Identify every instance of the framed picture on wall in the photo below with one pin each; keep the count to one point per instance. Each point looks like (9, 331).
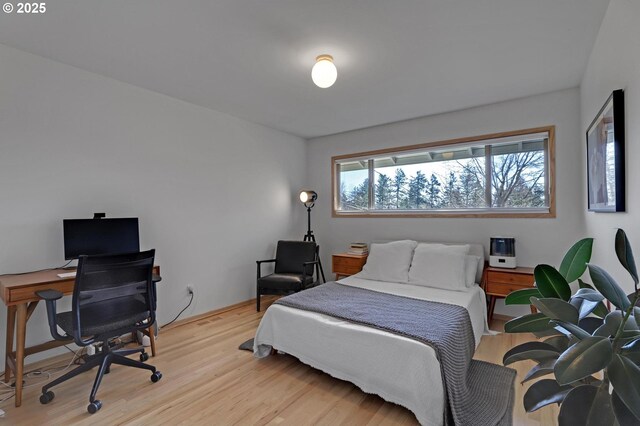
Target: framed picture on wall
(605, 157)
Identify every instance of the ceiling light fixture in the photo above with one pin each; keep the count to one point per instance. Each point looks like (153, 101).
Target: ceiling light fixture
(324, 72)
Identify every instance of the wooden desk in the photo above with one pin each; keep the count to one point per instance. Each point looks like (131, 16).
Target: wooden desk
(499, 282)
(18, 292)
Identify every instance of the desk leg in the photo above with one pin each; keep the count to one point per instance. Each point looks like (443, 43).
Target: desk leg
(20, 342)
(11, 329)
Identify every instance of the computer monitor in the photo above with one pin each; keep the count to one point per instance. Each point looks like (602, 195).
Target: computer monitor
(100, 236)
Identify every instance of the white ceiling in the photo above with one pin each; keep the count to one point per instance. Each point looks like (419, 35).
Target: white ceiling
(396, 59)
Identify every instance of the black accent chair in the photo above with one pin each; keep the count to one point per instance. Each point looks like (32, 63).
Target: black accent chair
(113, 295)
(293, 272)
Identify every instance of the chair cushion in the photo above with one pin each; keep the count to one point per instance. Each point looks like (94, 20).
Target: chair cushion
(285, 282)
(291, 255)
(96, 320)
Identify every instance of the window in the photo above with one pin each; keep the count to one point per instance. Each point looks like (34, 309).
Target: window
(501, 175)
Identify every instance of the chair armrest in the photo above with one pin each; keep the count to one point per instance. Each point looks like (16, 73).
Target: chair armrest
(259, 263)
(305, 265)
(50, 297)
(50, 294)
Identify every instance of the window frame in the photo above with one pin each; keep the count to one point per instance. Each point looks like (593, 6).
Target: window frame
(486, 212)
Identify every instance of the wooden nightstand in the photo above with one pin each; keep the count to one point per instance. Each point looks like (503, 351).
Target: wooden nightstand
(345, 264)
(499, 282)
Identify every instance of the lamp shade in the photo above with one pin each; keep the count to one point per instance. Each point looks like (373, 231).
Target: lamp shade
(324, 72)
(308, 197)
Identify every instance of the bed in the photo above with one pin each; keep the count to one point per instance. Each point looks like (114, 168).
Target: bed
(367, 356)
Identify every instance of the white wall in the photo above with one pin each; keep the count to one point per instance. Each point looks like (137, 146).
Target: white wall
(538, 240)
(213, 192)
(615, 64)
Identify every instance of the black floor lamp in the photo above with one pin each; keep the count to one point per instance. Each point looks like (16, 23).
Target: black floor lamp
(309, 198)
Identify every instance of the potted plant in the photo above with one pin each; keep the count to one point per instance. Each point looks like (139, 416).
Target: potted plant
(591, 354)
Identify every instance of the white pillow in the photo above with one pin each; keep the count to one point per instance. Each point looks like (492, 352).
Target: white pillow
(449, 248)
(471, 267)
(389, 261)
(439, 266)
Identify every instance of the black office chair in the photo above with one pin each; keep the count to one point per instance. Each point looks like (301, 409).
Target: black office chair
(293, 272)
(113, 295)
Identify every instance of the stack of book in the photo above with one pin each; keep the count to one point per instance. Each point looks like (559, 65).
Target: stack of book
(359, 248)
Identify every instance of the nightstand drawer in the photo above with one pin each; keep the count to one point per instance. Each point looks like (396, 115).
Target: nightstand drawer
(510, 278)
(346, 270)
(346, 264)
(503, 289)
(500, 282)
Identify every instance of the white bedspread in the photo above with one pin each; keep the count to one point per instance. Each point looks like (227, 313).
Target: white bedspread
(398, 369)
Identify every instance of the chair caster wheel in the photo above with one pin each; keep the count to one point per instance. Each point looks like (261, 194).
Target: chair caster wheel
(156, 376)
(93, 407)
(144, 356)
(47, 397)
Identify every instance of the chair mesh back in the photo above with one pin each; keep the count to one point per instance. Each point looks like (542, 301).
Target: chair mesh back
(290, 256)
(113, 292)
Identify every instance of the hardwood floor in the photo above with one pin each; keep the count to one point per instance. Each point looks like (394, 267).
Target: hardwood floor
(207, 380)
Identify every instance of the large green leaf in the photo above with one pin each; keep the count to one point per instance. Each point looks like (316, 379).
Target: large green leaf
(623, 415)
(586, 300)
(628, 336)
(584, 307)
(538, 351)
(561, 343)
(543, 393)
(625, 254)
(633, 357)
(632, 351)
(588, 294)
(590, 324)
(571, 328)
(636, 315)
(601, 411)
(575, 261)
(633, 346)
(546, 333)
(556, 309)
(521, 297)
(614, 319)
(528, 323)
(588, 356)
(601, 310)
(586, 405)
(625, 378)
(606, 285)
(631, 323)
(551, 283)
(542, 369)
(611, 325)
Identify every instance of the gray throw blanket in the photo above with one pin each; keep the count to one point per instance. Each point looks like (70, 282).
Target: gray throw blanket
(478, 393)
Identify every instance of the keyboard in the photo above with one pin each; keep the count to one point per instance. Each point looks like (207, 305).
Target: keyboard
(67, 274)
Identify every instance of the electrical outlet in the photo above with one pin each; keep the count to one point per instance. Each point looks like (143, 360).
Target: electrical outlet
(190, 289)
